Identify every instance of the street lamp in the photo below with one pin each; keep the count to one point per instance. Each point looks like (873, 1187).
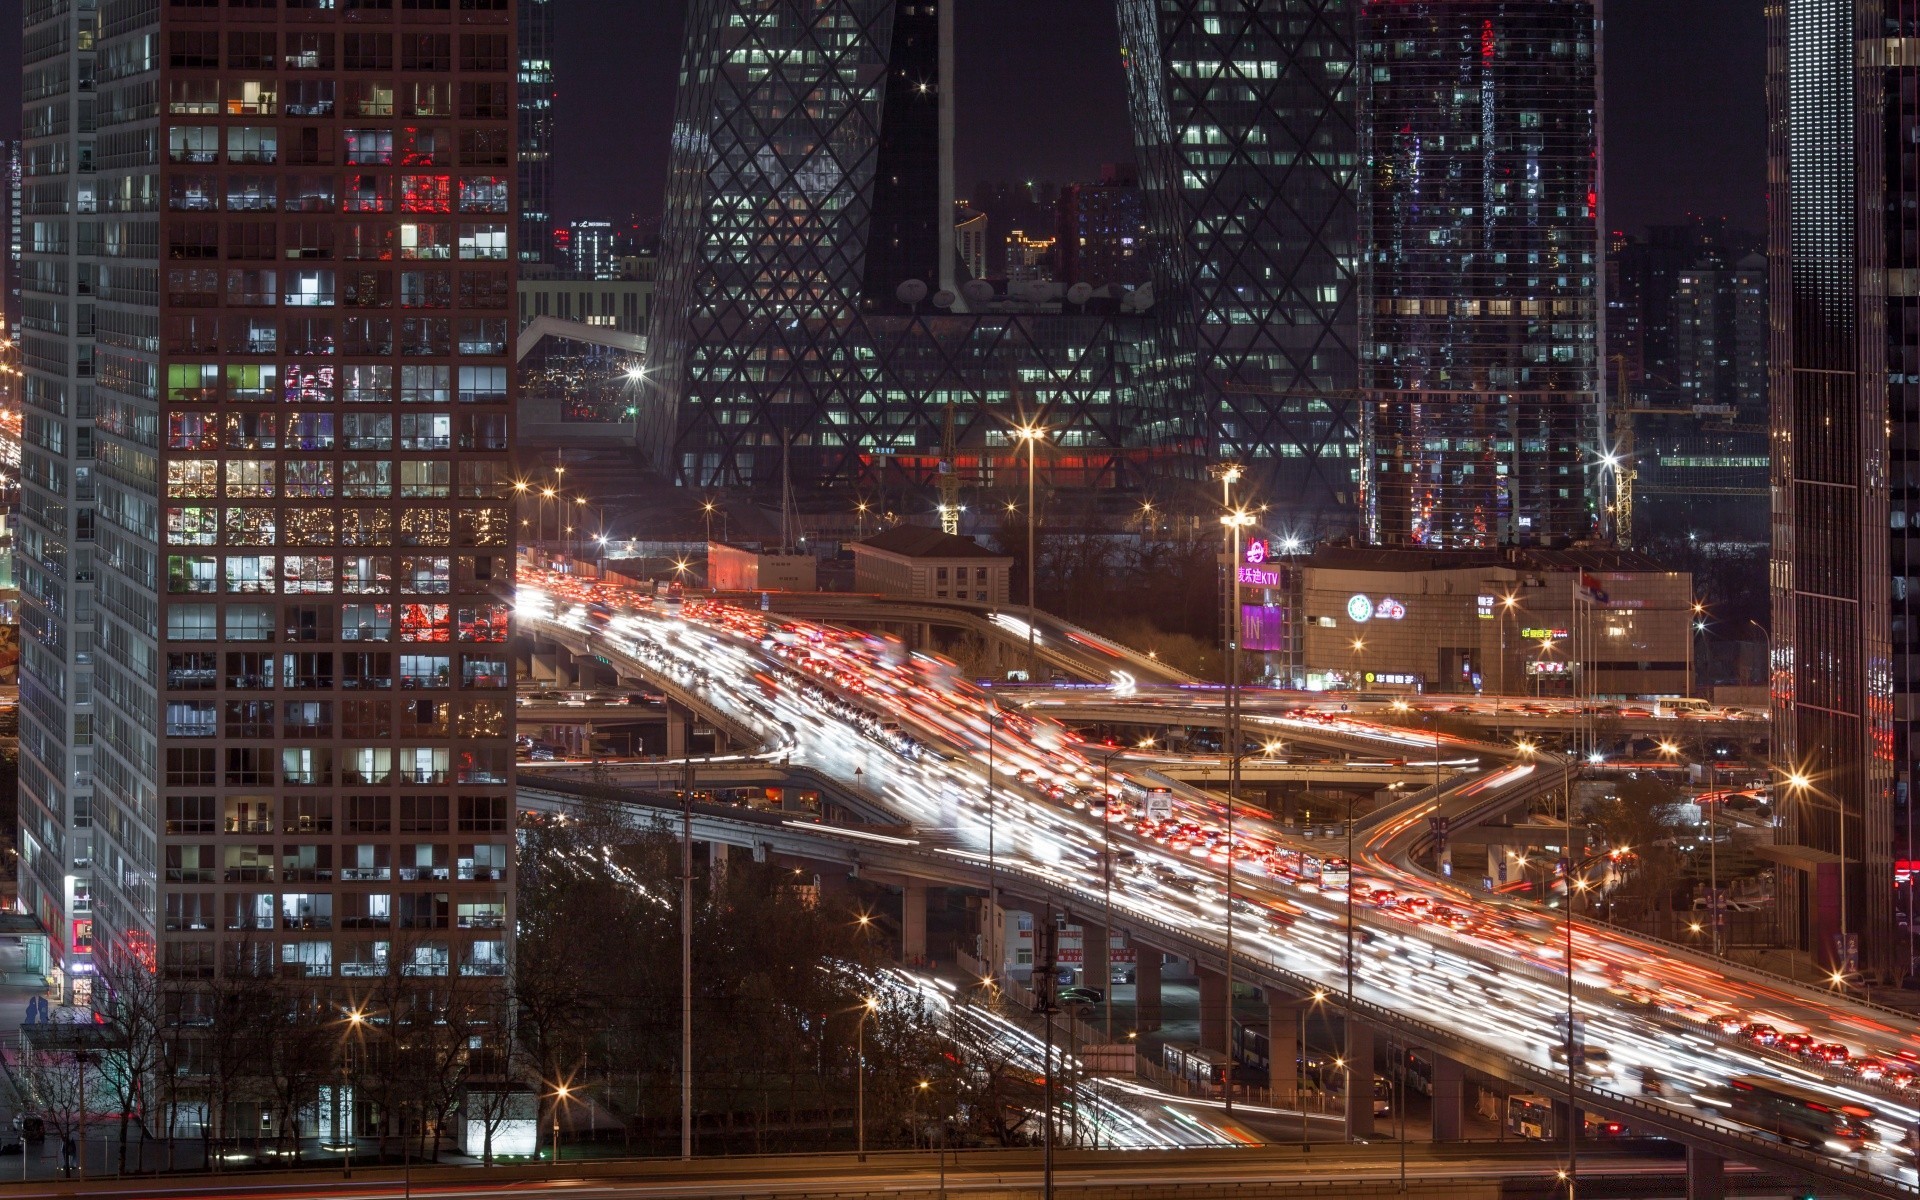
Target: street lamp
(1232, 522)
(343, 1103)
(1032, 433)
(561, 1092)
(860, 1075)
(1802, 786)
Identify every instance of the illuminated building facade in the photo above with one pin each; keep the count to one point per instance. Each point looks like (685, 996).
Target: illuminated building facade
(1480, 308)
(811, 313)
(1243, 119)
(54, 553)
(285, 326)
(1845, 388)
(535, 148)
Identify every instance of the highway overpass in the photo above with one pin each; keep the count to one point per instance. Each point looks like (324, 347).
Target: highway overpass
(1044, 862)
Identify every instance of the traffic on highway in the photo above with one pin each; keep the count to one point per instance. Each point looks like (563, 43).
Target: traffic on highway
(1676, 1031)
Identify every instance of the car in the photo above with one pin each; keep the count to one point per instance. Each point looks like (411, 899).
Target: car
(1081, 995)
(1795, 1043)
(1831, 1052)
(1595, 1060)
(1759, 1031)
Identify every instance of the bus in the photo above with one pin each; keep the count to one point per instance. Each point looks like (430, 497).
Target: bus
(1684, 706)
(1534, 1117)
(1796, 1114)
(1202, 1069)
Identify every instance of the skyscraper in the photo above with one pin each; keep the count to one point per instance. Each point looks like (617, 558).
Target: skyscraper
(1104, 237)
(269, 291)
(1845, 371)
(54, 561)
(811, 316)
(1243, 120)
(535, 148)
(1480, 309)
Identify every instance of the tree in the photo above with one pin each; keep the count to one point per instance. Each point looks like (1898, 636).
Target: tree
(300, 1033)
(1641, 816)
(136, 1037)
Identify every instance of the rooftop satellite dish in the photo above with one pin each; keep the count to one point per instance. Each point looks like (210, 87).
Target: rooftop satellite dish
(1079, 293)
(911, 292)
(977, 291)
(944, 299)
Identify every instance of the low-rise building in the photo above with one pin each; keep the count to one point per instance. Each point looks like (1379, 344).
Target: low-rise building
(1516, 621)
(733, 568)
(928, 564)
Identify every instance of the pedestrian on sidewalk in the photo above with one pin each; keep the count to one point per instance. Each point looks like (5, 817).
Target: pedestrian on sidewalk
(69, 1154)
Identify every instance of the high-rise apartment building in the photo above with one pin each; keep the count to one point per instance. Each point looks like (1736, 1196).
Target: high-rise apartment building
(1687, 307)
(60, 214)
(535, 109)
(1480, 310)
(1845, 369)
(592, 252)
(1243, 118)
(811, 315)
(270, 281)
(1104, 238)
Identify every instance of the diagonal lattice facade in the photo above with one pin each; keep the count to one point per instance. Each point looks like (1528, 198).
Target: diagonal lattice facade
(1244, 122)
(795, 212)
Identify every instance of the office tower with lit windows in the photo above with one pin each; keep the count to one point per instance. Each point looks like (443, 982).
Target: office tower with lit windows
(535, 148)
(1845, 387)
(54, 558)
(276, 277)
(1243, 118)
(1480, 304)
(813, 315)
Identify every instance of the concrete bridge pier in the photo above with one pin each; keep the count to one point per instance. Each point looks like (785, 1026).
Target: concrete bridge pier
(1285, 1015)
(913, 921)
(1215, 1009)
(1706, 1175)
(1359, 1061)
(1095, 949)
(1146, 986)
(1449, 1098)
(679, 729)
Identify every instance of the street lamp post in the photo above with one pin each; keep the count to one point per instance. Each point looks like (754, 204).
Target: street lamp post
(860, 1076)
(1032, 433)
(343, 1103)
(1106, 879)
(560, 1093)
(1802, 785)
(686, 966)
(992, 914)
(1234, 521)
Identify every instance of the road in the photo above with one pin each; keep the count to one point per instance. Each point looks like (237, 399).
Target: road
(992, 1171)
(1014, 787)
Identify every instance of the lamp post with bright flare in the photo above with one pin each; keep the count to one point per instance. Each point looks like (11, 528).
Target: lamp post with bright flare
(1233, 522)
(561, 1092)
(1802, 786)
(1032, 433)
(860, 1068)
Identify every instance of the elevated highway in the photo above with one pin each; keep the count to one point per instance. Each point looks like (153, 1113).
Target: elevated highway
(1059, 644)
(1485, 999)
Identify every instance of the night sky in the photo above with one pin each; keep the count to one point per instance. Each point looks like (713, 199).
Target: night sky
(1041, 98)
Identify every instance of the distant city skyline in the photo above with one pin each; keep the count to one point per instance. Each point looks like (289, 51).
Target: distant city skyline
(1041, 97)
(1686, 129)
